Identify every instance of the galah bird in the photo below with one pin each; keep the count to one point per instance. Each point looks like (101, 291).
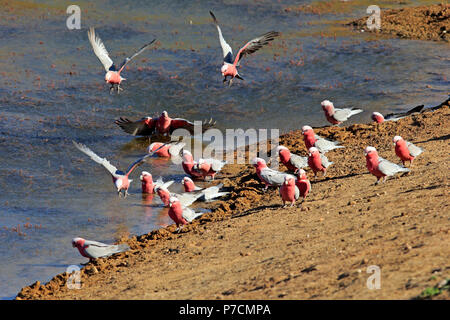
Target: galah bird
(267, 175)
(289, 191)
(162, 125)
(112, 76)
(229, 68)
(201, 168)
(169, 150)
(186, 198)
(180, 214)
(318, 161)
(405, 150)
(303, 184)
(120, 178)
(379, 118)
(336, 115)
(313, 140)
(292, 161)
(148, 186)
(208, 193)
(93, 249)
(379, 167)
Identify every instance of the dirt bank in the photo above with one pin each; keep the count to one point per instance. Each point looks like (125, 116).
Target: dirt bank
(430, 22)
(248, 247)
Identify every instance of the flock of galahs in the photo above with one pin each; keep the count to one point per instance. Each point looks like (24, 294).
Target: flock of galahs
(292, 185)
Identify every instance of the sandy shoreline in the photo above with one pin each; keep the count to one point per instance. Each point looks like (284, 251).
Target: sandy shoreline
(248, 247)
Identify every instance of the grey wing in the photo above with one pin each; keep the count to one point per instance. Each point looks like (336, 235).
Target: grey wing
(124, 63)
(97, 249)
(413, 150)
(105, 163)
(325, 162)
(389, 168)
(188, 198)
(190, 214)
(297, 193)
(299, 161)
(275, 178)
(341, 114)
(325, 145)
(138, 162)
(100, 50)
(226, 49)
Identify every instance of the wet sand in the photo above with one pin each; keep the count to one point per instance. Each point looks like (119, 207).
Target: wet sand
(248, 247)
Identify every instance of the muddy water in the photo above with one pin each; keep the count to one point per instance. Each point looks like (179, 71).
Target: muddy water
(52, 92)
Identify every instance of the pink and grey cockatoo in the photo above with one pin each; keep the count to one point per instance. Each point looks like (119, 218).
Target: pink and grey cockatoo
(313, 140)
(168, 151)
(229, 68)
(379, 167)
(201, 168)
(208, 193)
(291, 161)
(289, 191)
(185, 198)
(180, 214)
(120, 178)
(318, 161)
(379, 118)
(162, 125)
(336, 115)
(93, 249)
(149, 186)
(303, 184)
(405, 150)
(267, 175)
(112, 76)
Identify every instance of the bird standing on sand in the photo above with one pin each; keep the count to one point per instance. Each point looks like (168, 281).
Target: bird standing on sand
(318, 161)
(303, 184)
(180, 214)
(405, 150)
(313, 140)
(203, 167)
(289, 191)
(93, 249)
(379, 118)
(336, 115)
(291, 161)
(120, 178)
(379, 167)
(229, 68)
(112, 76)
(267, 175)
(163, 125)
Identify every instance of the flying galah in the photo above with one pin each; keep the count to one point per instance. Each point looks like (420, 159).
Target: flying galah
(313, 140)
(201, 168)
(185, 198)
(303, 184)
(336, 115)
(379, 167)
(318, 161)
(292, 161)
(180, 214)
(379, 118)
(208, 193)
(169, 150)
(267, 175)
(93, 249)
(120, 178)
(112, 76)
(405, 150)
(289, 191)
(162, 125)
(148, 186)
(229, 68)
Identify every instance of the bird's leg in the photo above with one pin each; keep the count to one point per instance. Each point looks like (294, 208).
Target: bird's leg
(384, 179)
(230, 82)
(324, 172)
(410, 162)
(225, 79)
(119, 88)
(265, 189)
(284, 204)
(111, 89)
(125, 194)
(119, 193)
(292, 203)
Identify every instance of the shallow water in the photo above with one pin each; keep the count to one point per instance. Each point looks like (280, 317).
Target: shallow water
(53, 92)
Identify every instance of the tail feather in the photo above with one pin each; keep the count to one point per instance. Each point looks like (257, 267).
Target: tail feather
(122, 247)
(355, 111)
